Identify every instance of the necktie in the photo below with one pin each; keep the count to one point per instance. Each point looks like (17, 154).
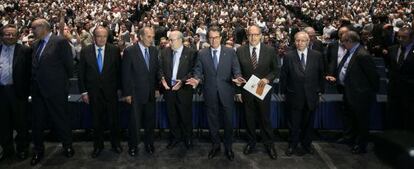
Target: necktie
(341, 65)
(254, 58)
(146, 57)
(401, 56)
(39, 49)
(215, 61)
(99, 60)
(174, 72)
(302, 61)
(5, 73)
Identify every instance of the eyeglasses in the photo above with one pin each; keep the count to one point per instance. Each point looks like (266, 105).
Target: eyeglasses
(214, 38)
(254, 35)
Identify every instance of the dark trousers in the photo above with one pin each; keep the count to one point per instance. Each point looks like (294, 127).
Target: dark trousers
(356, 121)
(50, 111)
(258, 112)
(142, 116)
(215, 112)
(180, 115)
(301, 121)
(104, 111)
(13, 116)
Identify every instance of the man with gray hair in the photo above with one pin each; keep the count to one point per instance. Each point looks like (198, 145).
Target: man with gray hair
(357, 79)
(51, 69)
(302, 82)
(176, 65)
(140, 70)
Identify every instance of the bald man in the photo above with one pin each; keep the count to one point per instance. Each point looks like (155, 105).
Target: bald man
(301, 83)
(51, 69)
(176, 64)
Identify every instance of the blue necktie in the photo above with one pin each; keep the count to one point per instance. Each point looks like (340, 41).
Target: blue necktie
(215, 61)
(146, 57)
(6, 71)
(39, 49)
(99, 60)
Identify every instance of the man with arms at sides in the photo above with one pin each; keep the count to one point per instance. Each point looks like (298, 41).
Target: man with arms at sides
(302, 79)
(99, 82)
(176, 66)
(357, 79)
(258, 59)
(15, 67)
(140, 79)
(215, 68)
(401, 84)
(51, 69)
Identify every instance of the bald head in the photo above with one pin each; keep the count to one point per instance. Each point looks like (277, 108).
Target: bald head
(311, 32)
(342, 31)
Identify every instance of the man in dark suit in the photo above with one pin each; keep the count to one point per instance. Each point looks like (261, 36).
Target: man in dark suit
(401, 84)
(139, 79)
(357, 79)
(51, 69)
(216, 68)
(314, 43)
(99, 82)
(335, 52)
(260, 60)
(176, 66)
(302, 79)
(15, 67)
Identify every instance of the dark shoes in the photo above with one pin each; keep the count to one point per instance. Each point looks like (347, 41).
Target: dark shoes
(172, 144)
(188, 143)
(69, 152)
(271, 151)
(96, 152)
(117, 149)
(149, 148)
(37, 157)
(214, 151)
(359, 149)
(133, 151)
(229, 154)
(249, 149)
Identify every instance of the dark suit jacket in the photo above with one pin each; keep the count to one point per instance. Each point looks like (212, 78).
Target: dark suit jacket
(219, 80)
(52, 72)
(300, 85)
(22, 61)
(401, 77)
(137, 80)
(361, 79)
(185, 68)
(266, 67)
(332, 57)
(91, 81)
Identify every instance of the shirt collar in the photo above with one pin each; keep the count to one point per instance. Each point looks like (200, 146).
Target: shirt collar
(257, 47)
(47, 37)
(305, 52)
(179, 50)
(218, 49)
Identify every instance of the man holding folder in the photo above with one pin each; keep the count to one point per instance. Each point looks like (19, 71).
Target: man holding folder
(259, 60)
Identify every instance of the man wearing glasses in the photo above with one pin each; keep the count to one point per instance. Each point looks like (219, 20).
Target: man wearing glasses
(176, 66)
(258, 59)
(217, 68)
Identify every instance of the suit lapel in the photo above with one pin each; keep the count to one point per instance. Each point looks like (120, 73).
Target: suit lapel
(140, 58)
(351, 62)
(15, 55)
(107, 59)
(221, 58)
(182, 60)
(49, 44)
(248, 57)
(409, 56)
(296, 61)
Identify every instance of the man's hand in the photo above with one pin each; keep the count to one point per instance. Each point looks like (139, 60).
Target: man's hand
(193, 82)
(262, 82)
(177, 85)
(238, 98)
(85, 98)
(239, 81)
(164, 83)
(330, 78)
(128, 99)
